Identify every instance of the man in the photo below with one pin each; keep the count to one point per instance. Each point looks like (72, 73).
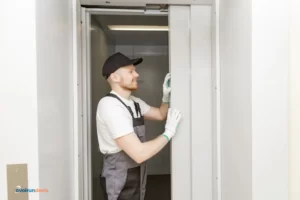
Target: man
(121, 131)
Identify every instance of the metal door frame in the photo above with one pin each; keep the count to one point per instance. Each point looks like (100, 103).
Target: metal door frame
(83, 132)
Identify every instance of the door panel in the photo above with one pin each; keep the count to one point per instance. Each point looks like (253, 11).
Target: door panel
(190, 67)
(201, 103)
(180, 66)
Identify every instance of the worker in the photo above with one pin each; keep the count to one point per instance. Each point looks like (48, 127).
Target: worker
(121, 131)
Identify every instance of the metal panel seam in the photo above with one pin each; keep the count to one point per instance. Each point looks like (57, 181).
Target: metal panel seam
(190, 107)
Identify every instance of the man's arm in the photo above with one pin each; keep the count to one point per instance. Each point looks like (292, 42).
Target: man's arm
(138, 151)
(141, 152)
(161, 112)
(157, 113)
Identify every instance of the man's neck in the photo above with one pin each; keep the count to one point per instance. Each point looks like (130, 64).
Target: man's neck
(123, 93)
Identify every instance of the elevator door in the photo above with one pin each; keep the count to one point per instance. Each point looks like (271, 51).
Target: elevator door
(190, 47)
(191, 69)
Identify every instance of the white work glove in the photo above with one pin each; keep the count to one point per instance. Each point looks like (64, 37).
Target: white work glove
(173, 119)
(166, 89)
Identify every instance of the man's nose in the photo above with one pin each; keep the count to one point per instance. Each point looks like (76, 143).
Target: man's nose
(136, 74)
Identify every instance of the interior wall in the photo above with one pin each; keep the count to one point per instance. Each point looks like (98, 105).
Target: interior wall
(77, 98)
(101, 49)
(152, 72)
(55, 98)
(215, 75)
(294, 101)
(270, 65)
(254, 99)
(18, 86)
(236, 127)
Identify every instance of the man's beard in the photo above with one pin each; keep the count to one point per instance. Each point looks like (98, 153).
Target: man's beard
(131, 87)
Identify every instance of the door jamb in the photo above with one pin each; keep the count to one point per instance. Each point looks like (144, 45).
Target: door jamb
(84, 74)
(86, 85)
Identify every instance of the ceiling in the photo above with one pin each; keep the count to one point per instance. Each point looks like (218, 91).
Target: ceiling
(134, 37)
(143, 2)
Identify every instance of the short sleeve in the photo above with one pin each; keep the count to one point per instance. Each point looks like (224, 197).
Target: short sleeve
(118, 120)
(143, 105)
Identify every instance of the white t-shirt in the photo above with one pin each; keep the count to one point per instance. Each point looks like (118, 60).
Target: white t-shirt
(114, 120)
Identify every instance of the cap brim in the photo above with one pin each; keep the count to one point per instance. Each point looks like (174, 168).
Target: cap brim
(137, 61)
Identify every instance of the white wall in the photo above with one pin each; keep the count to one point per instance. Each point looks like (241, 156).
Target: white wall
(236, 127)
(36, 100)
(55, 98)
(18, 86)
(254, 99)
(294, 107)
(152, 72)
(215, 76)
(77, 60)
(270, 62)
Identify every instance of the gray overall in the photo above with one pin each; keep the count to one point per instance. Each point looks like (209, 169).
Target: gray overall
(122, 178)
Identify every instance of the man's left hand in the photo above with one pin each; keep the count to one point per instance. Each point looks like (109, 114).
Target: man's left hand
(167, 89)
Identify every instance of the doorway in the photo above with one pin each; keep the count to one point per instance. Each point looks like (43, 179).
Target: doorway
(145, 36)
(190, 59)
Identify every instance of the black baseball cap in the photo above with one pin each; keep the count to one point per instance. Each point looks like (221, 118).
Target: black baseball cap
(117, 61)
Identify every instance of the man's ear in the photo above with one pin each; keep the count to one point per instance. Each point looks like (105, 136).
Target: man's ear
(115, 77)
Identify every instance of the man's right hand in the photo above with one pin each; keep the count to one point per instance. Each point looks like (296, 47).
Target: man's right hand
(173, 120)
(141, 152)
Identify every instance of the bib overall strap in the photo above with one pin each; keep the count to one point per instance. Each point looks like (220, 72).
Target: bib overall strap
(137, 109)
(115, 96)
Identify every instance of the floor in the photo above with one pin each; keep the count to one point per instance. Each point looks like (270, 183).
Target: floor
(158, 188)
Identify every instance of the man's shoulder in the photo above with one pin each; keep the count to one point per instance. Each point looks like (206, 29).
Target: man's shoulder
(136, 99)
(144, 106)
(108, 102)
(111, 107)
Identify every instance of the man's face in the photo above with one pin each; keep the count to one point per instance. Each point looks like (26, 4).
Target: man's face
(128, 78)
